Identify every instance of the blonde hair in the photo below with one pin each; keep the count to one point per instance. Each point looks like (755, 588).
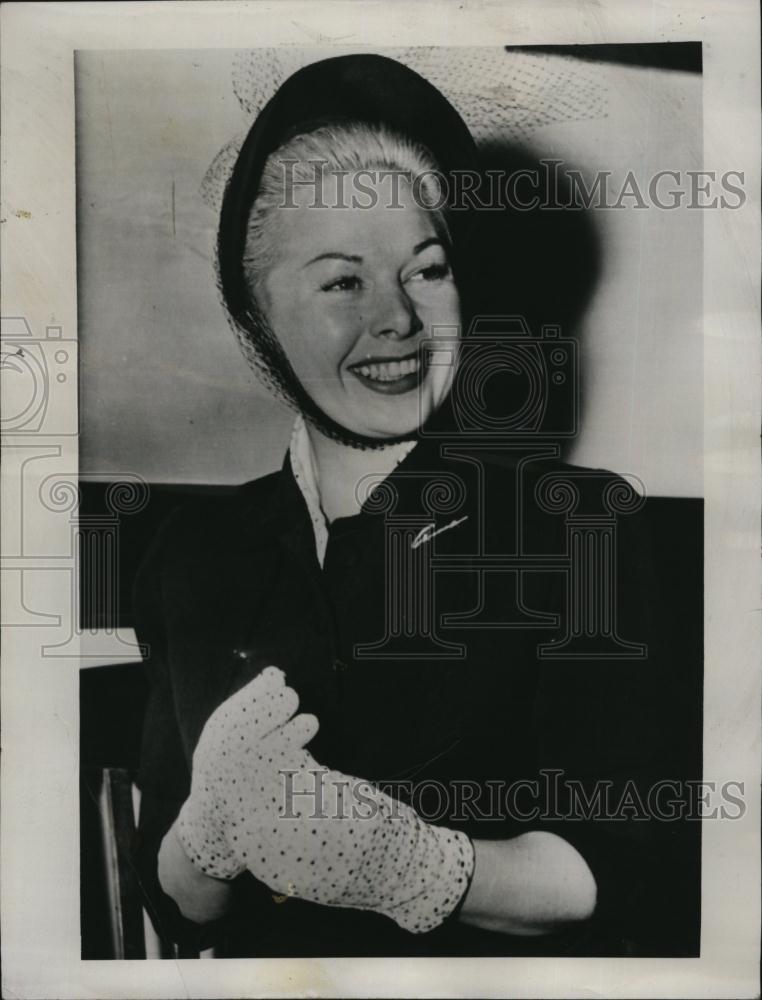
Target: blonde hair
(335, 149)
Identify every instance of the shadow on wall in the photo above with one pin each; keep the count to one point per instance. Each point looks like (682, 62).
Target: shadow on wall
(541, 263)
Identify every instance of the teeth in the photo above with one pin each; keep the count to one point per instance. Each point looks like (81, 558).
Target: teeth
(388, 371)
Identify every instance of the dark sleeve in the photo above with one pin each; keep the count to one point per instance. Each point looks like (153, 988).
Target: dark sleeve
(609, 733)
(164, 775)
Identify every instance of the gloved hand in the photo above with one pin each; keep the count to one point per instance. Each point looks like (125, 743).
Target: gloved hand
(322, 835)
(225, 779)
(260, 801)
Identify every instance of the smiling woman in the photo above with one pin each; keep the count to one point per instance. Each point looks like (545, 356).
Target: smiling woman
(354, 290)
(360, 622)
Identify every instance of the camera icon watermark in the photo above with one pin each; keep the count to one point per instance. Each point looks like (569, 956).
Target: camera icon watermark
(508, 382)
(31, 368)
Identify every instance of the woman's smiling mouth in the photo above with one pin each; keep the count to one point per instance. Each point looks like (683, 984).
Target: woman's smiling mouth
(392, 376)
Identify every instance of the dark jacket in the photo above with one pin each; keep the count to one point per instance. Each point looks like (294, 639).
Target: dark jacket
(449, 670)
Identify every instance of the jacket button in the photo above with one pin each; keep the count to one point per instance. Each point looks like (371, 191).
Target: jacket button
(340, 666)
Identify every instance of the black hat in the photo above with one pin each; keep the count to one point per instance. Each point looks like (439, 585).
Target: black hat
(370, 89)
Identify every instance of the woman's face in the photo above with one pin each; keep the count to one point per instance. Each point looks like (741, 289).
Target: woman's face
(351, 296)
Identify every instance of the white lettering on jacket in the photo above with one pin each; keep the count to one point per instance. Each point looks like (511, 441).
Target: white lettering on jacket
(429, 532)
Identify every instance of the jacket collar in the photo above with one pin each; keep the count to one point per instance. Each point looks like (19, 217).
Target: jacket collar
(275, 510)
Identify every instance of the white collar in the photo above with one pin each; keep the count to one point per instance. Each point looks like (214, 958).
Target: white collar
(305, 473)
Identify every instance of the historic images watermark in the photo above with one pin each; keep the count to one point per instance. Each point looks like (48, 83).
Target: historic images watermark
(321, 794)
(551, 185)
(38, 373)
(528, 431)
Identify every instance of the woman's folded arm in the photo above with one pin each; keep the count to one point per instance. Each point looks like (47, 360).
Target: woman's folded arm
(536, 883)
(199, 897)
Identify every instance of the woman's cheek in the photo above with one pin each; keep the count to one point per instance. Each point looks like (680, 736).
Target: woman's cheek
(439, 307)
(344, 324)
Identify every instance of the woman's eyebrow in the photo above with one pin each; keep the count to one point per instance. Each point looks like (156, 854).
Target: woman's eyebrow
(430, 242)
(335, 255)
(356, 259)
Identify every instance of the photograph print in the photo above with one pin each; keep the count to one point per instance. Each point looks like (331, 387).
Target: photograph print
(391, 496)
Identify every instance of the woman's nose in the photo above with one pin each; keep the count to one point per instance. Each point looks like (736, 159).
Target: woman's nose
(394, 313)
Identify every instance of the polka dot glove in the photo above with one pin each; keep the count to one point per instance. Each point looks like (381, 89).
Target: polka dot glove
(260, 801)
(337, 840)
(221, 783)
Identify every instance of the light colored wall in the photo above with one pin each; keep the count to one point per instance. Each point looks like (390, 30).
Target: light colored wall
(164, 390)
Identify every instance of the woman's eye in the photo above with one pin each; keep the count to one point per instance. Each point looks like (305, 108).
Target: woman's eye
(347, 283)
(434, 272)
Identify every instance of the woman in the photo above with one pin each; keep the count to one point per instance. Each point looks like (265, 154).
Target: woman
(299, 674)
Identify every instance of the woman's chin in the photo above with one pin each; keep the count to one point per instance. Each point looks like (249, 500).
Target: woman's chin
(400, 418)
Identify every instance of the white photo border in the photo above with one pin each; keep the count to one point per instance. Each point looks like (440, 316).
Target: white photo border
(40, 827)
